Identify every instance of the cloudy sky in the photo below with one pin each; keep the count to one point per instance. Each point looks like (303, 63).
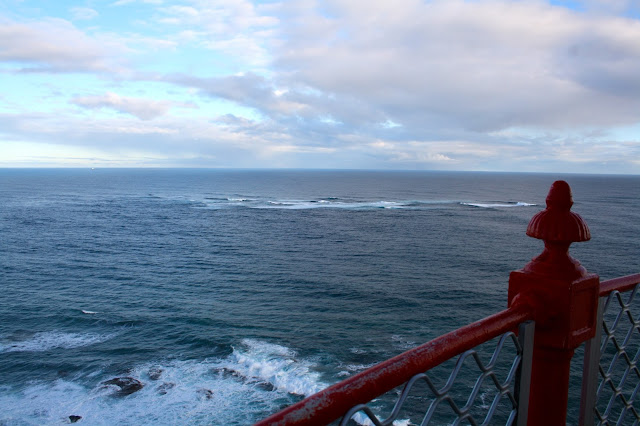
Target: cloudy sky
(508, 85)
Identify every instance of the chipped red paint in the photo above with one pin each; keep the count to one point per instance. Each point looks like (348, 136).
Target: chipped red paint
(333, 402)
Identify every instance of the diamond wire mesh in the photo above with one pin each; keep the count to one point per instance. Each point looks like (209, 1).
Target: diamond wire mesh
(616, 396)
(435, 398)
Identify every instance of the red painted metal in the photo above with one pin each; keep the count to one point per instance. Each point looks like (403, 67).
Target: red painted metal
(564, 298)
(333, 402)
(620, 284)
(553, 289)
(557, 222)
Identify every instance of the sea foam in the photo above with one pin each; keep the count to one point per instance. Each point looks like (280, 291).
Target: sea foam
(498, 205)
(332, 203)
(46, 341)
(256, 379)
(276, 365)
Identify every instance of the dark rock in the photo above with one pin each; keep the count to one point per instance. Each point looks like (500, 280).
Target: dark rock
(296, 396)
(126, 385)
(227, 372)
(266, 386)
(205, 393)
(74, 419)
(155, 373)
(164, 388)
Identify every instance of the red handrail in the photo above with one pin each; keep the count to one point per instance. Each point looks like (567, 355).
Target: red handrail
(334, 401)
(621, 284)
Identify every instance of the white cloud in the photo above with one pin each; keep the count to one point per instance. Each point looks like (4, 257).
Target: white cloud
(441, 71)
(55, 45)
(83, 13)
(482, 65)
(440, 83)
(144, 109)
(125, 2)
(236, 28)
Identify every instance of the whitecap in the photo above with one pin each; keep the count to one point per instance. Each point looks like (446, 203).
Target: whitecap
(275, 364)
(332, 203)
(89, 312)
(46, 341)
(402, 343)
(359, 367)
(249, 384)
(498, 204)
(187, 393)
(228, 390)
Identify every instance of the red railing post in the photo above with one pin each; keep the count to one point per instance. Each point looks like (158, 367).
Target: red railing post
(564, 298)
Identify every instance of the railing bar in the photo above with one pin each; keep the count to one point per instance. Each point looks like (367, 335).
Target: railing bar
(456, 369)
(474, 392)
(614, 358)
(523, 378)
(494, 406)
(630, 332)
(513, 371)
(352, 394)
(496, 352)
(434, 406)
(634, 393)
(620, 315)
(623, 413)
(334, 401)
(620, 284)
(405, 393)
(590, 369)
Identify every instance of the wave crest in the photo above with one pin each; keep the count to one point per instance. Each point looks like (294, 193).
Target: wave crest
(498, 204)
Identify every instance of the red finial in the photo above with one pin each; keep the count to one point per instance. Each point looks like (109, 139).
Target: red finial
(557, 223)
(564, 300)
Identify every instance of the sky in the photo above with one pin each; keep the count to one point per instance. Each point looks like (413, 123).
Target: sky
(491, 85)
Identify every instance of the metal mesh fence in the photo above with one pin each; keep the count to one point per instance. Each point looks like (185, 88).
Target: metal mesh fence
(481, 387)
(617, 400)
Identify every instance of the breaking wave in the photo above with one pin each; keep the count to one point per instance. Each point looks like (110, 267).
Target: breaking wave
(320, 203)
(498, 205)
(345, 204)
(255, 380)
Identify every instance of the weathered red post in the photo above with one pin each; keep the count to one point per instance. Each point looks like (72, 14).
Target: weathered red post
(564, 297)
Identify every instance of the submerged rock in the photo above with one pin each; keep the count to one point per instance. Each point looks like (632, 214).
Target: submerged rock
(127, 385)
(164, 388)
(267, 386)
(155, 373)
(205, 393)
(74, 419)
(227, 372)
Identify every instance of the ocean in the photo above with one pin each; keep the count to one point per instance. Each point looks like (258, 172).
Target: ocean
(229, 294)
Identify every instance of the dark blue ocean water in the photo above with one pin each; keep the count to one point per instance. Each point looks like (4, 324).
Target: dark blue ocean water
(231, 294)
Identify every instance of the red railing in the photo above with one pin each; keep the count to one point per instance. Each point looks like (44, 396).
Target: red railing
(333, 402)
(553, 290)
(620, 284)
